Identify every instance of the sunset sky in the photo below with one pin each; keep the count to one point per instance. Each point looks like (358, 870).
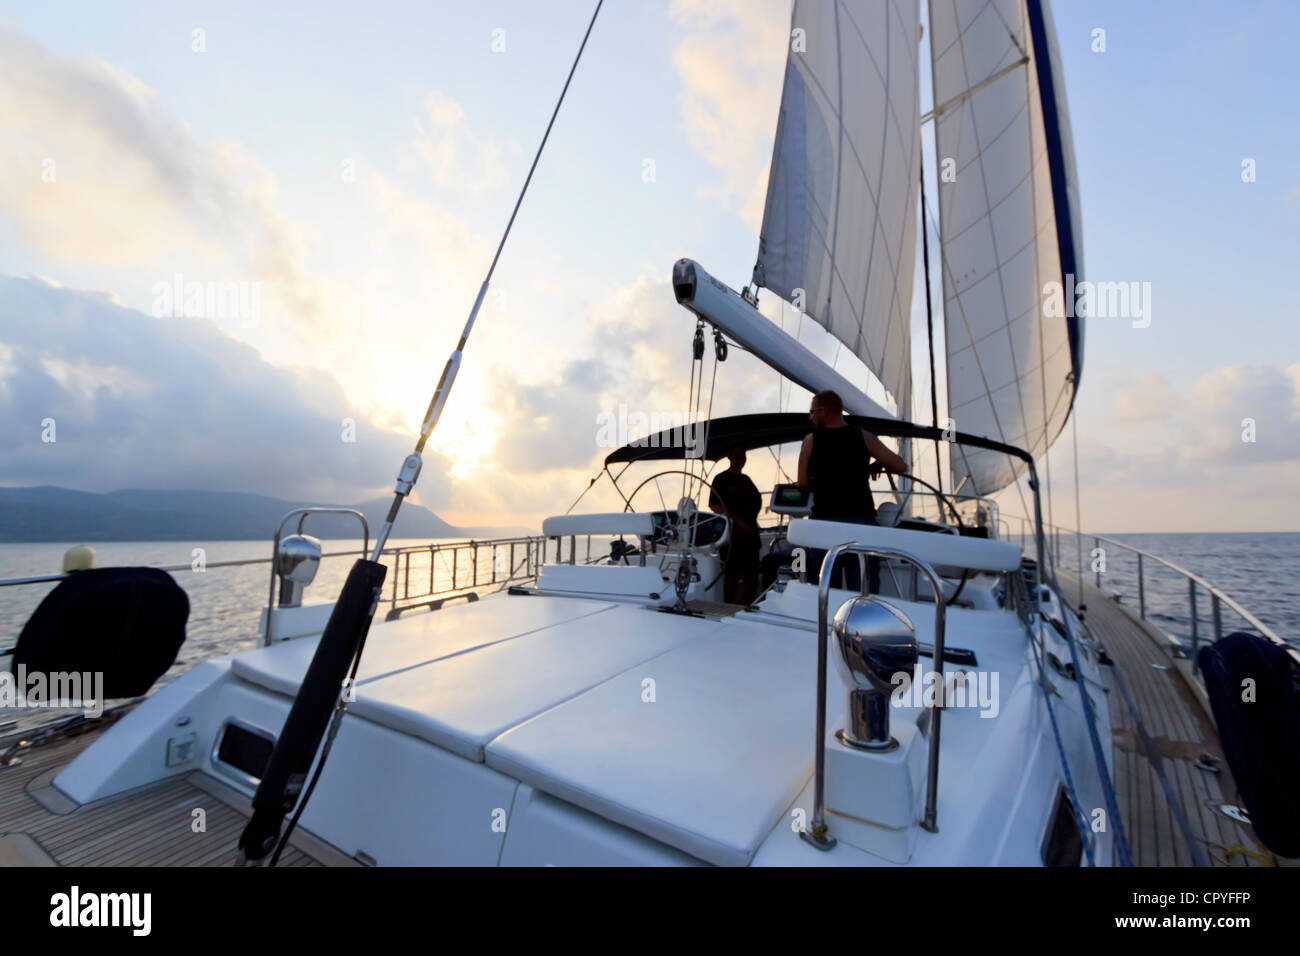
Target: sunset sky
(354, 165)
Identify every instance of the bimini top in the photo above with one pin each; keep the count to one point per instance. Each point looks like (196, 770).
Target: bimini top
(716, 437)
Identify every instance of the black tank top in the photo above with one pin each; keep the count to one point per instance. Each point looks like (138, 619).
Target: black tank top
(837, 471)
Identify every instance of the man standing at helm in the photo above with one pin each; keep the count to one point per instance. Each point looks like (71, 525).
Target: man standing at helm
(734, 495)
(835, 464)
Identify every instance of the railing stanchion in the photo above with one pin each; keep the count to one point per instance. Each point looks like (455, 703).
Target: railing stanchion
(1196, 637)
(473, 557)
(1218, 621)
(1096, 546)
(1142, 590)
(396, 556)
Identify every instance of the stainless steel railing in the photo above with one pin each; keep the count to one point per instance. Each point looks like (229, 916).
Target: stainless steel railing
(522, 555)
(817, 834)
(1218, 598)
(512, 560)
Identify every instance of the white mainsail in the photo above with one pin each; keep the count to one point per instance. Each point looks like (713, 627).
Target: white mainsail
(1009, 225)
(840, 219)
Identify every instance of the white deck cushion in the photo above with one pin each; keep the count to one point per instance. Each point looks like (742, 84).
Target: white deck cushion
(980, 554)
(613, 522)
(708, 767)
(462, 702)
(416, 639)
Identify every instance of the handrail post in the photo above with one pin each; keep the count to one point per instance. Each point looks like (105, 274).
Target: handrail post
(473, 560)
(1218, 621)
(454, 552)
(1142, 590)
(817, 833)
(1096, 545)
(1196, 637)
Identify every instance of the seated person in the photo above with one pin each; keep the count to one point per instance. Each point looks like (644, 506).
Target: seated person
(735, 496)
(835, 464)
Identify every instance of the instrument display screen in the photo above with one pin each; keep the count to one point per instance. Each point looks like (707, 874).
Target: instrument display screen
(789, 499)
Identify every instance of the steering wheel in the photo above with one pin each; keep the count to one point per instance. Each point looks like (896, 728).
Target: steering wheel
(944, 499)
(674, 494)
(701, 528)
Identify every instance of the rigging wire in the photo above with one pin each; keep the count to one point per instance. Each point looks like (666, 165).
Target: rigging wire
(410, 471)
(1078, 507)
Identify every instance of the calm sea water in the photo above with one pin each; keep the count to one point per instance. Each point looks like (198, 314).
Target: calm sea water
(1259, 571)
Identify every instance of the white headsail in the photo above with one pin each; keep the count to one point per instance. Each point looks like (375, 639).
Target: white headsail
(840, 220)
(1009, 226)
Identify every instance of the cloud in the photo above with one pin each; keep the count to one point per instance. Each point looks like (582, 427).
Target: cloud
(456, 155)
(1148, 398)
(140, 402)
(1210, 456)
(730, 63)
(1247, 415)
(96, 172)
(635, 359)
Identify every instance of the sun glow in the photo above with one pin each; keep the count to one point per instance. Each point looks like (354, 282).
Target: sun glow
(466, 440)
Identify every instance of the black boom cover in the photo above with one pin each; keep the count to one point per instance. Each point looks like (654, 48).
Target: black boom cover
(126, 623)
(1259, 727)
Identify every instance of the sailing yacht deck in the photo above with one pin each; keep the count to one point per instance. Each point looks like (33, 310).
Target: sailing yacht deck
(1179, 728)
(152, 826)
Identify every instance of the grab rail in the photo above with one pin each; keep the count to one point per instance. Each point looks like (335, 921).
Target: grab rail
(817, 834)
(301, 514)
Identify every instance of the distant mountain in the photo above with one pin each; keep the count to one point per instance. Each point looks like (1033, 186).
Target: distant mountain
(47, 513)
